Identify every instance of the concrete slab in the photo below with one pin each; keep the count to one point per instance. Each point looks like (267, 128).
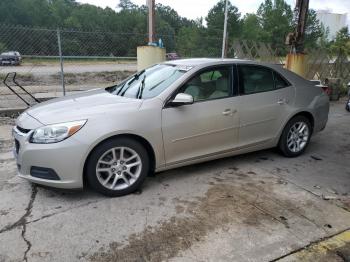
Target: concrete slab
(255, 207)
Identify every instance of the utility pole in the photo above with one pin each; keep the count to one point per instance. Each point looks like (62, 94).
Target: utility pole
(151, 21)
(297, 60)
(223, 53)
(302, 9)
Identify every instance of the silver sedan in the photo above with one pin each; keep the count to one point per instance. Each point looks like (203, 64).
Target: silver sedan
(172, 114)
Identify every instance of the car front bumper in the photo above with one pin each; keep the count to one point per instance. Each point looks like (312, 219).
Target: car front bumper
(65, 159)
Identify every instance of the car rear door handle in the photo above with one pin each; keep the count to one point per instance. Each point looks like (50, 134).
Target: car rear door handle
(229, 112)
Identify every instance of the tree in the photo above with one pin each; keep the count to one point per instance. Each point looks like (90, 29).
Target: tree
(341, 44)
(188, 41)
(276, 22)
(215, 20)
(61, 11)
(127, 5)
(212, 40)
(313, 30)
(323, 41)
(251, 29)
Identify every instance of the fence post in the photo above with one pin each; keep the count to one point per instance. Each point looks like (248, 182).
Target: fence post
(61, 60)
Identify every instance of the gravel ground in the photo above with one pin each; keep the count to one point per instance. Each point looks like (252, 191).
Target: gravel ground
(48, 84)
(70, 67)
(255, 207)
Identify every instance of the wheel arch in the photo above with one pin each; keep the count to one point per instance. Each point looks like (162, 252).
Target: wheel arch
(304, 113)
(138, 138)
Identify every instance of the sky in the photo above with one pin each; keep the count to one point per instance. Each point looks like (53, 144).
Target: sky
(199, 8)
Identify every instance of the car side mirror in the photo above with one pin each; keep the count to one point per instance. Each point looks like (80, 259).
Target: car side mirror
(181, 99)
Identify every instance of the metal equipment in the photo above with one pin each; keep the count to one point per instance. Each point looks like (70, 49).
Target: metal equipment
(15, 83)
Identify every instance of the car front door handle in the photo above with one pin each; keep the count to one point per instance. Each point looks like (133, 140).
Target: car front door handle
(229, 112)
(282, 101)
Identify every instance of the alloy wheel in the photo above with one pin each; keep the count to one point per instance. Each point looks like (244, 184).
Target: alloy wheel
(298, 137)
(118, 168)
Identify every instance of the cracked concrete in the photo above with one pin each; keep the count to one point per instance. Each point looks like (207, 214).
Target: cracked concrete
(255, 207)
(22, 222)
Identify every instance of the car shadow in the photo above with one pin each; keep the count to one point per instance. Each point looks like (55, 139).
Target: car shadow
(166, 177)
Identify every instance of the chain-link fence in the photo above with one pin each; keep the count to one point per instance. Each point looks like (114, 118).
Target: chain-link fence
(96, 59)
(88, 59)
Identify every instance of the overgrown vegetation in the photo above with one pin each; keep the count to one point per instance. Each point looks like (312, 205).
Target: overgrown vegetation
(127, 27)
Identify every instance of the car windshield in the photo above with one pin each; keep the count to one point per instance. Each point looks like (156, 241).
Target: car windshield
(148, 83)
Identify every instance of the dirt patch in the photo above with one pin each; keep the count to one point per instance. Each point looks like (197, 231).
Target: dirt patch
(234, 201)
(89, 78)
(7, 121)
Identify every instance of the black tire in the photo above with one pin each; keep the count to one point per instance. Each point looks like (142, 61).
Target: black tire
(104, 147)
(283, 142)
(347, 107)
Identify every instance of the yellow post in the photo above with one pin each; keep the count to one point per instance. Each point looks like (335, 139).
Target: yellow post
(297, 63)
(149, 55)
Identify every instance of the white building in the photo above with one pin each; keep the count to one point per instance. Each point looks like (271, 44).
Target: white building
(334, 22)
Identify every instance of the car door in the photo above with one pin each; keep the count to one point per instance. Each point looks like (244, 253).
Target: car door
(210, 124)
(264, 103)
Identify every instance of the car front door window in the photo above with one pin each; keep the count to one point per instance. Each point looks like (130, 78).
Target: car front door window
(209, 84)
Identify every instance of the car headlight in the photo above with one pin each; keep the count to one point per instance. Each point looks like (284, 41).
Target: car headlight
(55, 133)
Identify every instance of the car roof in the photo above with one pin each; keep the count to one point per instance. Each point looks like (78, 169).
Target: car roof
(203, 62)
(9, 52)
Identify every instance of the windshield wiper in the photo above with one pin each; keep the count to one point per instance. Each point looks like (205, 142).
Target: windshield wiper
(135, 77)
(142, 86)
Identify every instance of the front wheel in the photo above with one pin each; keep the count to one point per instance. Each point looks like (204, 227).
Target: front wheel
(117, 167)
(295, 137)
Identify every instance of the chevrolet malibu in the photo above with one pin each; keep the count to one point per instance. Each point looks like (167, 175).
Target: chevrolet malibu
(172, 114)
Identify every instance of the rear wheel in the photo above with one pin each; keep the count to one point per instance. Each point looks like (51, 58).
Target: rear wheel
(295, 137)
(117, 167)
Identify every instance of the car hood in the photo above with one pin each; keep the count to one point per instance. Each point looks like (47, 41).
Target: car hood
(83, 105)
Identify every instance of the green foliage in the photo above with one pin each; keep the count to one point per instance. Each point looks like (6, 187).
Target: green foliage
(252, 29)
(187, 41)
(276, 22)
(127, 5)
(127, 27)
(2, 47)
(215, 20)
(314, 31)
(341, 44)
(215, 23)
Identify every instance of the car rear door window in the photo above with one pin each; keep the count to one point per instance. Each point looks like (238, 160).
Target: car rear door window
(255, 79)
